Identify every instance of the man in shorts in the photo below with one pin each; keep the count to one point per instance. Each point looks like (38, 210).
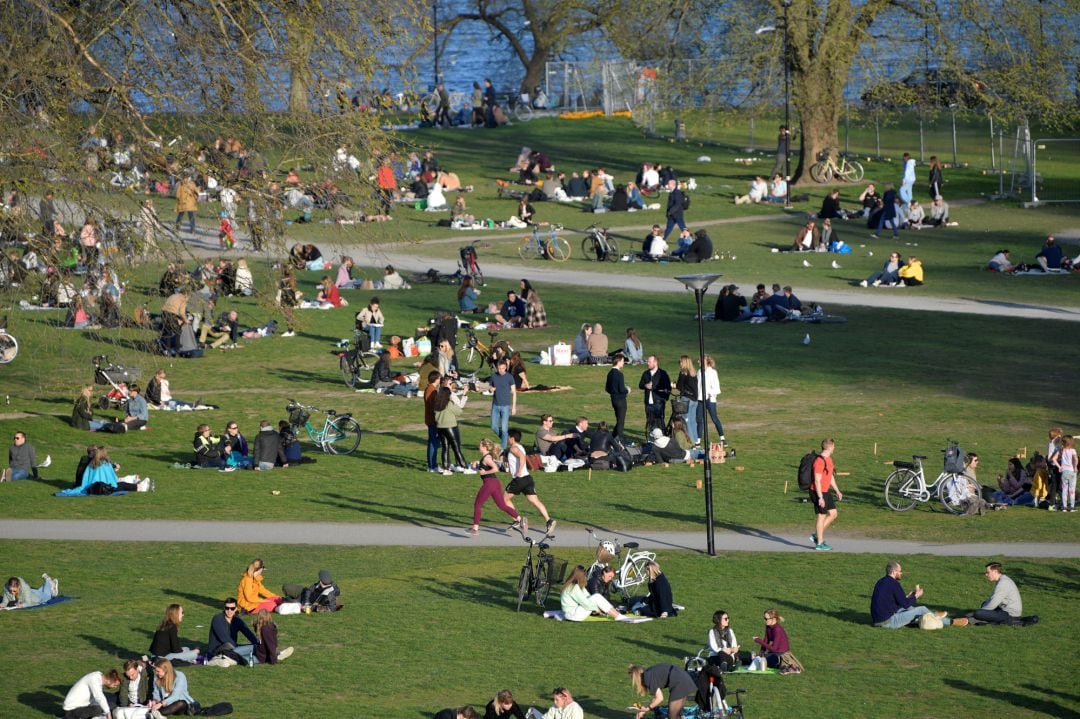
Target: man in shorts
(823, 501)
(521, 482)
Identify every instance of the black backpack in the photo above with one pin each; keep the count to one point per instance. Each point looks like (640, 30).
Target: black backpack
(685, 201)
(806, 470)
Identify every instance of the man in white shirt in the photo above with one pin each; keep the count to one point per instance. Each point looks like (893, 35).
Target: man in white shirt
(86, 698)
(563, 707)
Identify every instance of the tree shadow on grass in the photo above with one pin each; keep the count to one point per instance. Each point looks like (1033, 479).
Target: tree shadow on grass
(212, 602)
(496, 593)
(308, 378)
(675, 516)
(1031, 703)
(408, 515)
(843, 614)
(108, 647)
(49, 702)
(1060, 579)
(1047, 690)
(669, 651)
(596, 708)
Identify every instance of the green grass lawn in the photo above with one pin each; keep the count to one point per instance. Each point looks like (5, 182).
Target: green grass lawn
(423, 629)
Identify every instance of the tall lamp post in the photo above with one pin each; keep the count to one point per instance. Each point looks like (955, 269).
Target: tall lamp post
(787, 107)
(699, 284)
(435, 39)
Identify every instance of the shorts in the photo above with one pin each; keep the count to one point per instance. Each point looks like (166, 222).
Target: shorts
(521, 485)
(830, 502)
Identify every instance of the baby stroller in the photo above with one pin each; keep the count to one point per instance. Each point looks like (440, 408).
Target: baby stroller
(468, 265)
(115, 376)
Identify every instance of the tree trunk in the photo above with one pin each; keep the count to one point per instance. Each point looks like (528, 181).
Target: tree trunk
(818, 124)
(300, 36)
(535, 70)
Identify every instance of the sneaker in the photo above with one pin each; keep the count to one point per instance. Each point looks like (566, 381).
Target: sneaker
(550, 527)
(143, 485)
(468, 470)
(960, 622)
(472, 531)
(877, 283)
(446, 472)
(290, 333)
(221, 661)
(1051, 508)
(876, 236)
(227, 469)
(3, 475)
(864, 283)
(941, 614)
(823, 547)
(284, 653)
(813, 539)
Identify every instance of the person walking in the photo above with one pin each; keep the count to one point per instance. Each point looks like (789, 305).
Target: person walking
(187, 202)
(676, 206)
(657, 388)
(442, 115)
(823, 501)
(503, 400)
(616, 387)
(907, 183)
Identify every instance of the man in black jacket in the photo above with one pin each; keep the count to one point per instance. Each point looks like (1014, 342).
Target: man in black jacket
(675, 207)
(616, 387)
(657, 388)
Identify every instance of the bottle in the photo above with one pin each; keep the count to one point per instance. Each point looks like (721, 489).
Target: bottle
(251, 659)
(152, 485)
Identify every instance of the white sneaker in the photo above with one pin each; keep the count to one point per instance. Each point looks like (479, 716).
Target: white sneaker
(227, 469)
(143, 485)
(864, 283)
(221, 661)
(877, 283)
(446, 472)
(468, 470)
(288, 334)
(284, 653)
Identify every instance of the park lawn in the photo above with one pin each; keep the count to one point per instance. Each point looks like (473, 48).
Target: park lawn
(887, 384)
(426, 628)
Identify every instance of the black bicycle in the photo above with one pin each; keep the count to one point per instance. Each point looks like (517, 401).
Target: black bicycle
(357, 364)
(536, 579)
(599, 245)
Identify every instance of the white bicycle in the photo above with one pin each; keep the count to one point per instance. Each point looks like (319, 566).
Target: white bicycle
(632, 577)
(9, 346)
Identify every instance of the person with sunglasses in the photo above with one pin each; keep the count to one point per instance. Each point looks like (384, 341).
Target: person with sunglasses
(225, 629)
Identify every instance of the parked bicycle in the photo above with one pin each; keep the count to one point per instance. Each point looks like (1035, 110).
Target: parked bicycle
(468, 265)
(631, 578)
(519, 108)
(907, 485)
(552, 247)
(599, 245)
(357, 360)
(474, 354)
(340, 433)
(536, 579)
(826, 168)
(9, 346)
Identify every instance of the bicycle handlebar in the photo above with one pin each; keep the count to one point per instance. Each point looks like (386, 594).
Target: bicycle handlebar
(293, 404)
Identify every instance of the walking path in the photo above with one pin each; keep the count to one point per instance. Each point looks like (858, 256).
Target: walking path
(745, 539)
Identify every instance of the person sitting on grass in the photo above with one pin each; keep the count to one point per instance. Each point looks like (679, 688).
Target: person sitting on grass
(1001, 262)
(513, 311)
(1004, 605)
(775, 647)
(778, 190)
(1050, 256)
(222, 333)
(328, 293)
(892, 608)
(86, 698)
(170, 696)
(911, 274)
(225, 629)
(251, 594)
(322, 596)
(939, 213)
(18, 594)
(133, 698)
(166, 641)
(889, 275)
(266, 630)
(99, 477)
(666, 449)
(503, 706)
(465, 712)
(807, 239)
(700, 250)
(210, 453)
(578, 605)
(267, 452)
(653, 681)
(22, 460)
(759, 190)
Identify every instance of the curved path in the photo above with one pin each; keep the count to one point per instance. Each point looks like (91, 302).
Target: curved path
(745, 539)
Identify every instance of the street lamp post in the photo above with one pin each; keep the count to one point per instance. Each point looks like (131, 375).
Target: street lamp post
(435, 39)
(787, 107)
(699, 284)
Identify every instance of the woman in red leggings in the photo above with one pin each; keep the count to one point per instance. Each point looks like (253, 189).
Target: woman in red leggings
(490, 488)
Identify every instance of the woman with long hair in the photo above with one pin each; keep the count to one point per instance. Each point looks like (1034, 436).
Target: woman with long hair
(775, 642)
(447, 413)
(578, 604)
(708, 396)
(170, 694)
(490, 488)
(635, 352)
(328, 293)
(251, 595)
(653, 681)
(581, 344)
(467, 295)
(266, 630)
(535, 314)
(503, 706)
(723, 646)
(166, 642)
(659, 602)
(686, 386)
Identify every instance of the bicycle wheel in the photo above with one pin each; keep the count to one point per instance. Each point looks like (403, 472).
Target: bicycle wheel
(818, 172)
(523, 111)
(342, 435)
(557, 249)
(901, 490)
(470, 359)
(633, 577)
(612, 250)
(523, 585)
(365, 366)
(851, 170)
(9, 348)
(543, 582)
(953, 498)
(348, 371)
(526, 248)
(588, 248)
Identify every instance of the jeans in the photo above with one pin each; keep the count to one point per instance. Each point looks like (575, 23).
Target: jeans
(905, 192)
(266, 465)
(711, 408)
(19, 473)
(500, 421)
(692, 420)
(375, 333)
(905, 617)
(38, 596)
(432, 447)
(893, 222)
(991, 616)
(96, 424)
(187, 655)
(671, 222)
(191, 220)
(316, 265)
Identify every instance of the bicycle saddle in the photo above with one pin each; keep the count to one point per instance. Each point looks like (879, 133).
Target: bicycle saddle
(331, 412)
(921, 456)
(631, 545)
(544, 546)
(903, 465)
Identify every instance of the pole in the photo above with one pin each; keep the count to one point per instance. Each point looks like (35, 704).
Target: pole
(847, 130)
(787, 195)
(710, 540)
(955, 162)
(1001, 168)
(435, 38)
(993, 160)
(922, 150)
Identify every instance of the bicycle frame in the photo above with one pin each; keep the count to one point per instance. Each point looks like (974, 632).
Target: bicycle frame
(631, 573)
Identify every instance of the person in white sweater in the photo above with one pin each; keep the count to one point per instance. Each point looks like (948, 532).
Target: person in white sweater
(86, 698)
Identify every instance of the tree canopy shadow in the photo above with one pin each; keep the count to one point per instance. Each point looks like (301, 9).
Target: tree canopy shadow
(47, 701)
(1035, 704)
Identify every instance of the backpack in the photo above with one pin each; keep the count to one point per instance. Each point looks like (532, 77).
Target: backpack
(806, 470)
(954, 458)
(685, 201)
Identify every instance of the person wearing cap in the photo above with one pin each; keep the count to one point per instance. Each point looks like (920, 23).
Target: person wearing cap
(731, 306)
(665, 449)
(322, 595)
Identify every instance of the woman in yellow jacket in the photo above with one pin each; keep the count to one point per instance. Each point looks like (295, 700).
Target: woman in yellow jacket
(251, 595)
(911, 274)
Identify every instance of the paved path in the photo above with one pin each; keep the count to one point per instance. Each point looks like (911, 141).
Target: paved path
(744, 540)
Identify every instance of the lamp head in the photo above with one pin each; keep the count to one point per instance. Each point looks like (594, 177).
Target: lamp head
(698, 283)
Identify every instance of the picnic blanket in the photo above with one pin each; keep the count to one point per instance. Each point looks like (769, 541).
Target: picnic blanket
(54, 600)
(557, 615)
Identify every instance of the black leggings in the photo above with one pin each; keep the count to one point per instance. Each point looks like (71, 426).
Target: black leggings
(450, 441)
(180, 707)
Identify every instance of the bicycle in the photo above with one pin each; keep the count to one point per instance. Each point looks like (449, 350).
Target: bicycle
(519, 109)
(340, 433)
(474, 354)
(552, 248)
(632, 577)
(599, 245)
(357, 364)
(907, 485)
(9, 346)
(826, 168)
(536, 580)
